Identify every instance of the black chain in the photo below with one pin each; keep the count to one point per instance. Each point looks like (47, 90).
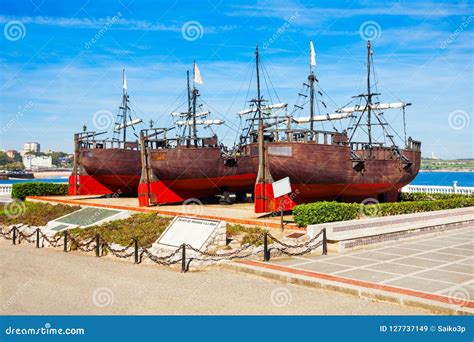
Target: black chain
(305, 251)
(305, 244)
(223, 255)
(161, 260)
(168, 260)
(119, 253)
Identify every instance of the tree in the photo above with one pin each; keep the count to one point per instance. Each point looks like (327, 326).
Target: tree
(3, 158)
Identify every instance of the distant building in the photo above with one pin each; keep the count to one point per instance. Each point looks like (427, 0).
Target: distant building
(34, 162)
(31, 147)
(11, 153)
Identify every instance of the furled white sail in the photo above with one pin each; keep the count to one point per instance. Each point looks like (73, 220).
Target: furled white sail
(199, 122)
(128, 124)
(374, 106)
(263, 108)
(184, 114)
(124, 81)
(197, 75)
(328, 117)
(312, 54)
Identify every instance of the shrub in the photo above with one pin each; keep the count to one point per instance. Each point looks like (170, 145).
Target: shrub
(147, 228)
(21, 190)
(421, 196)
(323, 212)
(250, 234)
(33, 213)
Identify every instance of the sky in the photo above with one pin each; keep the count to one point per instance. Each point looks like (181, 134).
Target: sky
(61, 63)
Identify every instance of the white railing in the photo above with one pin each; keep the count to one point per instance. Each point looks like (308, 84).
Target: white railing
(6, 189)
(437, 189)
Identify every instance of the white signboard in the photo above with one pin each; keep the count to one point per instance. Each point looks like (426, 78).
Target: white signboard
(281, 187)
(192, 231)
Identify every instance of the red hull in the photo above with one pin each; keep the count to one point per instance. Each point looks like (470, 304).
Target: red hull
(186, 172)
(107, 171)
(327, 172)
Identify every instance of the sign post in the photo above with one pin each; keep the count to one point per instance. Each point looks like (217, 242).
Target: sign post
(281, 188)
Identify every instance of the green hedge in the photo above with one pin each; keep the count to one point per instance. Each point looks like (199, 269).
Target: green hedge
(323, 212)
(21, 190)
(421, 196)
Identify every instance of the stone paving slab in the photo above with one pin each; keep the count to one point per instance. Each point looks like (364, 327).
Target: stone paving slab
(432, 271)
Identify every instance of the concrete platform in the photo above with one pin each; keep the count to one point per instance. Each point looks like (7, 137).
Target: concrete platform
(241, 213)
(433, 272)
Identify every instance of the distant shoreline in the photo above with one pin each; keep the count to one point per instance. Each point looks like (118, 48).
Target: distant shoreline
(51, 174)
(448, 170)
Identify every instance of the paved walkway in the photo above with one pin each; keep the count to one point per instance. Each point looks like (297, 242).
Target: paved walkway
(49, 282)
(437, 268)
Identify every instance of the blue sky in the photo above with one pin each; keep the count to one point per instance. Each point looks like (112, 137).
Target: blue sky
(61, 61)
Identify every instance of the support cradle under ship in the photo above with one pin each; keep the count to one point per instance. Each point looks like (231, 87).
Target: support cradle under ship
(327, 165)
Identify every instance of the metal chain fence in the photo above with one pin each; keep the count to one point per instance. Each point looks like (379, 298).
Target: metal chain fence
(176, 256)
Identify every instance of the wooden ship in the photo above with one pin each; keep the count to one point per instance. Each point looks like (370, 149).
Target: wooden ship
(191, 166)
(108, 166)
(327, 165)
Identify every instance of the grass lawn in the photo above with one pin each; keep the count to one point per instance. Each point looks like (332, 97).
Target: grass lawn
(145, 227)
(32, 213)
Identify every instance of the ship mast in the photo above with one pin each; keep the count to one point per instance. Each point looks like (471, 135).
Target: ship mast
(262, 172)
(124, 105)
(369, 95)
(189, 106)
(311, 79)
(195, 95)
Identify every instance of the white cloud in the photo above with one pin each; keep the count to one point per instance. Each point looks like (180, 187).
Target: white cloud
(97, 23)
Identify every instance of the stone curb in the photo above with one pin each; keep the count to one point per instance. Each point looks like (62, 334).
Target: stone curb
(433, 306)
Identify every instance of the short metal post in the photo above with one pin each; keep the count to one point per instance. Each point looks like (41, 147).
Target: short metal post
(135, 242)
(183, 258)
(14, 235)
(266, 256)
(65, 241)
(325, 242)
(97, 245)
(37, 238)
(281, 210)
